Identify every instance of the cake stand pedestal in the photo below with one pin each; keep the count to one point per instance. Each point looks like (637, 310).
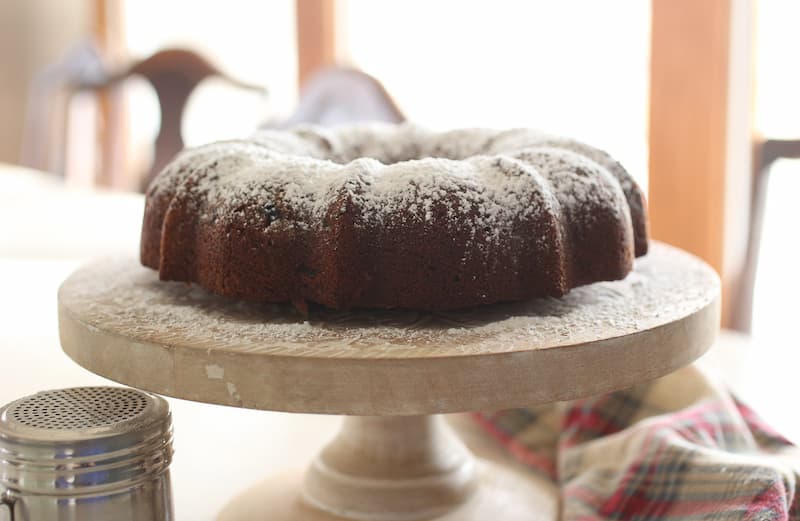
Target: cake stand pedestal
(390, 372)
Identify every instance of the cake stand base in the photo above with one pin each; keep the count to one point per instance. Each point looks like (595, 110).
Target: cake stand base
(378, 367)
(395, 468)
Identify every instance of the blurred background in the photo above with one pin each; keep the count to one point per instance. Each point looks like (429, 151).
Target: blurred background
(697, 98)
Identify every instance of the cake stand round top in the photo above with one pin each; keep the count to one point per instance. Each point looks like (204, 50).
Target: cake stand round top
(118, 320)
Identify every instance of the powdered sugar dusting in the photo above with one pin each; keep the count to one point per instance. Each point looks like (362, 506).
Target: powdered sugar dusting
(398, 173)
(123, 298)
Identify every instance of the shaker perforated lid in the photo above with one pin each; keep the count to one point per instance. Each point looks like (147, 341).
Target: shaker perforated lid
(51, 439)
(81, 413)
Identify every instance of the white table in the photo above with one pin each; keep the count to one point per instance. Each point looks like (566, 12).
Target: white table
(49, 230)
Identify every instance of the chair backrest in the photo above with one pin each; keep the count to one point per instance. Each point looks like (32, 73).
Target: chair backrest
(767, 152)
(44, 134)
(338, 95)
(173, 74)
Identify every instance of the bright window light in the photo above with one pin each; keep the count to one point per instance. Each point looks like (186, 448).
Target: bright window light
(574, 67)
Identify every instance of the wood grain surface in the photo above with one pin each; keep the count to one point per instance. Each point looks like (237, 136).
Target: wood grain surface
(117, 320)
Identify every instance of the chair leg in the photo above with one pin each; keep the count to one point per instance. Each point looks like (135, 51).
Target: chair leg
(742, 316)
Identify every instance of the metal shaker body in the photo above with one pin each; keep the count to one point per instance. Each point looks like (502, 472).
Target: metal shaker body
(86, 453)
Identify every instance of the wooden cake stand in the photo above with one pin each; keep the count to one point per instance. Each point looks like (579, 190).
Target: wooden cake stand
(390, 372)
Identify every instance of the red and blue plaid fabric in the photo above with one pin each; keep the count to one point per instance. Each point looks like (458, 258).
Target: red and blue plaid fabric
(680, 447)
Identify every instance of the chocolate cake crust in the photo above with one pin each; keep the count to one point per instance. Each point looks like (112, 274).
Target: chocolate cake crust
(393, 217)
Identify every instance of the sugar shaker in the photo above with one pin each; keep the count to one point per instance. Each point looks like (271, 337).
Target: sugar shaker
(86, 453)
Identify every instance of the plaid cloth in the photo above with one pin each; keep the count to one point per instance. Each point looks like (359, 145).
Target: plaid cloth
(680, 447)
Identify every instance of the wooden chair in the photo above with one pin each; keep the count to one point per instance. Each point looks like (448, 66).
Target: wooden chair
(173, 74)
(44, 135)
(767, 152)
(337, 95)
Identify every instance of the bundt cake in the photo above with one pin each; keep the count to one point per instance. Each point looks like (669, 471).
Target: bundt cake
(393, 217)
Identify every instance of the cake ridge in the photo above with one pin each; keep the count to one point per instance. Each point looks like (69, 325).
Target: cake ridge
(478, 204)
